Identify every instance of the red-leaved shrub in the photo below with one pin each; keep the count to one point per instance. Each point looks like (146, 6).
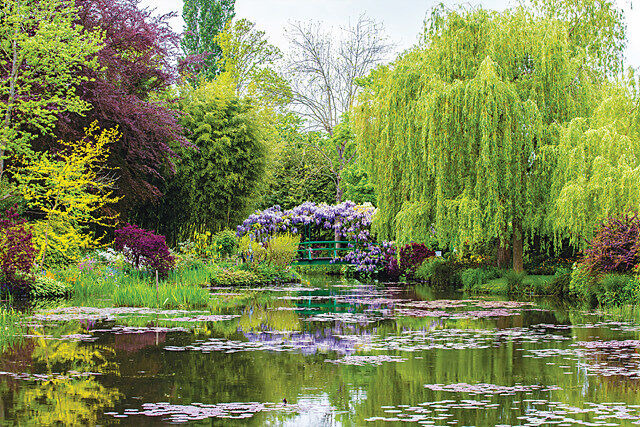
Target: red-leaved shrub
(144, 248)
(411, 256)
(17, 252)
(615, 246)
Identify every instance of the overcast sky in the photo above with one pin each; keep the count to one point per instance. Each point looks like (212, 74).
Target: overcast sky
(402, 19)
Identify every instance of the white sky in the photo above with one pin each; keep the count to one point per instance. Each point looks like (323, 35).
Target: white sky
(402, 19)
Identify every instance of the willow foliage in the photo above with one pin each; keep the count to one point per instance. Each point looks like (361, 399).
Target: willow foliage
(598, 169)
(455, 133)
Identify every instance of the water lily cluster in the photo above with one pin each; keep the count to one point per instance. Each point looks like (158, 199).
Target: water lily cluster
(349, 220)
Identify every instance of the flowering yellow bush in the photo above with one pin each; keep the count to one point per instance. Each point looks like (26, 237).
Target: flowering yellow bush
(70, 188)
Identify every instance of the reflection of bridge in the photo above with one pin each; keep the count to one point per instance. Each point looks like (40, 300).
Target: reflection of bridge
(323, 252)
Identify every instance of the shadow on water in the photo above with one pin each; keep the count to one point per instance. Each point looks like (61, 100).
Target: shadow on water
(331, 352)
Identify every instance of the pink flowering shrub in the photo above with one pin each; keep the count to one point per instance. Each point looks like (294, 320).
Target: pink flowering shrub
(17, 253)
(615, 248)
(412, 256)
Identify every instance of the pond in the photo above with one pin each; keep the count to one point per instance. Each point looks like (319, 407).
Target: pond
(333, 352)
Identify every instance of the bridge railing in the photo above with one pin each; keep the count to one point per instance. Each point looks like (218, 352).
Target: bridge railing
(306, 250)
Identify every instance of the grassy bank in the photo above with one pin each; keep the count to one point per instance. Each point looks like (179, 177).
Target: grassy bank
(187, 287)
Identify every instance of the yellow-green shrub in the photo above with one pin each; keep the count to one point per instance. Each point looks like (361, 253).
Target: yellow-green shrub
(252, 251)
(282, 249)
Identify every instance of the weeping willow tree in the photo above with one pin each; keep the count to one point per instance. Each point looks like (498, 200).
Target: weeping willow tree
(456, 134)
(597, 172)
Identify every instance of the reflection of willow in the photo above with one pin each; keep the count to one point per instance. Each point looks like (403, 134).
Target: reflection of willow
(67, 399)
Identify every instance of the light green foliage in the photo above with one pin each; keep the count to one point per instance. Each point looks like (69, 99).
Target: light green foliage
(252, 251)
(604, 290)
(40, 47)
(597, 169)
(145, 294)
(455, 133)
(229, 277)
(70, 188)
(48, 287)
(249, 62)
(193, 272)
(617, 289)
(219, 179)
(226, 242)
(10, 328)
(279, 251)
(596, 29)
(282, 250)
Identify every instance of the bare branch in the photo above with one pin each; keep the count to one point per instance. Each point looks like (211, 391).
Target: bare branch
(323, 68)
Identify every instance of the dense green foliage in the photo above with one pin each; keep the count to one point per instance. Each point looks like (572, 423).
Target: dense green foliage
(41, 54)
(439, 272)
(220, 176)
(298, 173)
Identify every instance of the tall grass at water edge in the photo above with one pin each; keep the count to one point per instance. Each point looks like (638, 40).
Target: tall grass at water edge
(165, 295)
(182, 288)
(10, 328)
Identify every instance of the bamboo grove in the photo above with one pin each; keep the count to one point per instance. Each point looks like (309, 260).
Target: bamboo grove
(498, 127)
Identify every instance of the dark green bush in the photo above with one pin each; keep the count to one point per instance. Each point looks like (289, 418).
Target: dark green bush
(47, 287)
(561, 283)
(516, 283)
(616, 289)
(472, 278)
(584, 285)
(227, 242)
(439, 272)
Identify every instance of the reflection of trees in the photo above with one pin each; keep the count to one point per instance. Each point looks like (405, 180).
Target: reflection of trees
(271, 316)
(71, 399)
(75, 401)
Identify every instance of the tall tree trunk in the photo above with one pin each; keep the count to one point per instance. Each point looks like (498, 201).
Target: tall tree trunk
(518, 246)
(339, 187)
(502, 257)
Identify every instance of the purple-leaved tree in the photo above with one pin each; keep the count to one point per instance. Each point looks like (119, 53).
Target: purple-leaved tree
(130, 90)
(144, 248)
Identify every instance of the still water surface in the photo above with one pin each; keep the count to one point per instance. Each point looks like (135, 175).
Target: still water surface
(330, 353)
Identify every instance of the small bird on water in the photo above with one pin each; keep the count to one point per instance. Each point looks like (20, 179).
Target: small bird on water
(284, 400)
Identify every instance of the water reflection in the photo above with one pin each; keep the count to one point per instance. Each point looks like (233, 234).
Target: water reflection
(336, 353)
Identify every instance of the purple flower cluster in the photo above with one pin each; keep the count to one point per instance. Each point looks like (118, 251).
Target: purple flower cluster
(371, 258)
(144, 248)
(87, 265)
(350, 221)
